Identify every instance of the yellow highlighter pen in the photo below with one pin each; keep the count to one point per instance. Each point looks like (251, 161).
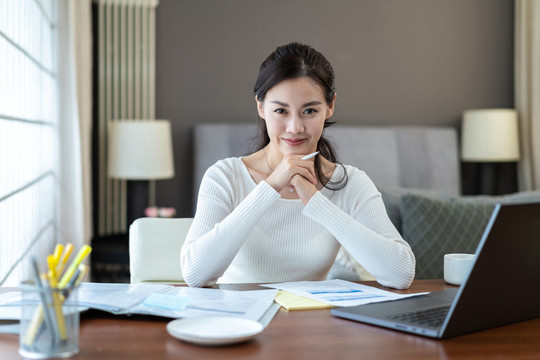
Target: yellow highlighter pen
(58, 252)
(63, 259)
(83, 253)
(57, 300)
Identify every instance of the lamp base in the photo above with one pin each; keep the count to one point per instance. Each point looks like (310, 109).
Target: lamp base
(137, 196)
(489, 178)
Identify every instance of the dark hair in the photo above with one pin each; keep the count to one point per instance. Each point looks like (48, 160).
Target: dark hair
(292, 61)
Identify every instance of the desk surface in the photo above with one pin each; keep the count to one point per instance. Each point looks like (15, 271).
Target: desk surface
(311, 334)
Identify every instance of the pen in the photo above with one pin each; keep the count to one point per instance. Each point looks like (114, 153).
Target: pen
(63, 259)
(76, 280)
(58, 249)
(85, 250)
(57, 300)
(83, 271)
(310, 156)
(44, 311)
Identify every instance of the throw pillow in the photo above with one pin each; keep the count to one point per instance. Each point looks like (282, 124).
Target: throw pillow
(392, 199)
(434, 227)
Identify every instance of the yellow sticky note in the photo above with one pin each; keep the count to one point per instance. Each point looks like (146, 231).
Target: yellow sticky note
(294, 302)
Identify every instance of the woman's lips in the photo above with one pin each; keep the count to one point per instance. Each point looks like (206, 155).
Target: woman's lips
(294, 142)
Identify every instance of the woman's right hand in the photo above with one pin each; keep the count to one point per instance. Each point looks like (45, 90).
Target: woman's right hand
(290, 166)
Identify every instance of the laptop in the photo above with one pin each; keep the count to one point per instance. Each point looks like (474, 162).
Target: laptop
(502, 287)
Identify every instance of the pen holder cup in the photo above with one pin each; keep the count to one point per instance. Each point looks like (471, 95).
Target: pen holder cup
(49, 326)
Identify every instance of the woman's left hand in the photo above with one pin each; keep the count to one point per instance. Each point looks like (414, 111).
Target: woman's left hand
(304, 188)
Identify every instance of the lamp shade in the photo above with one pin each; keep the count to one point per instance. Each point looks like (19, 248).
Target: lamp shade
(489, 135)
(140, 150)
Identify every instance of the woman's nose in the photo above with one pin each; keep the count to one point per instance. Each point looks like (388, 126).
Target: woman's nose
(295, 125)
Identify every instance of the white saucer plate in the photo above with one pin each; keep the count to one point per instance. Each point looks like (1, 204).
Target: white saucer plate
(214, 330)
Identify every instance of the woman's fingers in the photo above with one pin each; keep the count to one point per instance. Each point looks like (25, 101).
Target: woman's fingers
(290, 166)
(304, 188)
(307, 173)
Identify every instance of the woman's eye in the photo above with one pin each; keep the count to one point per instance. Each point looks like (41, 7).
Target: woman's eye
(310, 111)
(280, 111)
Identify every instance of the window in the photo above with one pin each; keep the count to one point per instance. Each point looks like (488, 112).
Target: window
(28, 134)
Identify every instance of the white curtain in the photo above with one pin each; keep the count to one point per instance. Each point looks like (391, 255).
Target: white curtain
(45, 109)
(527, 90)
(76, 114)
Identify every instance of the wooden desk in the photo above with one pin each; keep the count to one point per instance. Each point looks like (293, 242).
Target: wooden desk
(296, 335)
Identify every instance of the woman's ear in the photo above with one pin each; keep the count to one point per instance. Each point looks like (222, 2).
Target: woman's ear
(259, 107)
(331, 107)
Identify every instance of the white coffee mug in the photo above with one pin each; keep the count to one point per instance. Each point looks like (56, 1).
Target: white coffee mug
(457, 267)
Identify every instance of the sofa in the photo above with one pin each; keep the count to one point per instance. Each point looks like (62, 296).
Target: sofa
(417, 171)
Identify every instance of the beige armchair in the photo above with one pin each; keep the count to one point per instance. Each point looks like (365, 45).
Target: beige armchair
(154, 249)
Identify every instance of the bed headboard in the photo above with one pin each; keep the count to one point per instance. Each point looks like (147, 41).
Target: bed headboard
(417, 157)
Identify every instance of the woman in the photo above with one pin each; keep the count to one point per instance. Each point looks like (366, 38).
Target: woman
(273, 216)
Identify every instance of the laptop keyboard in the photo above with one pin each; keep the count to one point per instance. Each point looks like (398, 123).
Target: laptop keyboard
(433, 317)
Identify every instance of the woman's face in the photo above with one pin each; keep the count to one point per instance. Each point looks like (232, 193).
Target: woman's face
(294, 111)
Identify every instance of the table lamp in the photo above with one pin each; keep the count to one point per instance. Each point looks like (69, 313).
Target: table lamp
(140, 150)
(490, 136)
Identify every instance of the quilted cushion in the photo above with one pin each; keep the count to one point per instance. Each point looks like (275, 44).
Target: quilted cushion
(434, 227)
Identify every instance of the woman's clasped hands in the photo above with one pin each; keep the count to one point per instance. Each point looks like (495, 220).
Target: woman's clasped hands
(294, 174)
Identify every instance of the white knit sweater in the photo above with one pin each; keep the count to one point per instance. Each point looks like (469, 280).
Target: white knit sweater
(245, 232)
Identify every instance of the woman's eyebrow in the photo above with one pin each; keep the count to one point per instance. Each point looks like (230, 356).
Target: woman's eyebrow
(279, 103)
(311, 103)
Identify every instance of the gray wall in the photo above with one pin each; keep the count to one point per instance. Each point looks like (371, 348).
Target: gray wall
(404, 62)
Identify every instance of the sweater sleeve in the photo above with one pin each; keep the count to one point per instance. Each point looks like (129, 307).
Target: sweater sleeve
(219, 228)
(366, 232)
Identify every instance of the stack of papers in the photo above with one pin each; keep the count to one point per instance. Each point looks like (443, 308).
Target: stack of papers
(175, 302)
(332, 293)
(169, 301)
(9, 318)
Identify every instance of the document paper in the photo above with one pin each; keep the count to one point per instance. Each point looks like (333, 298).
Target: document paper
(170, 301)
(339, 293)
(251, 304)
